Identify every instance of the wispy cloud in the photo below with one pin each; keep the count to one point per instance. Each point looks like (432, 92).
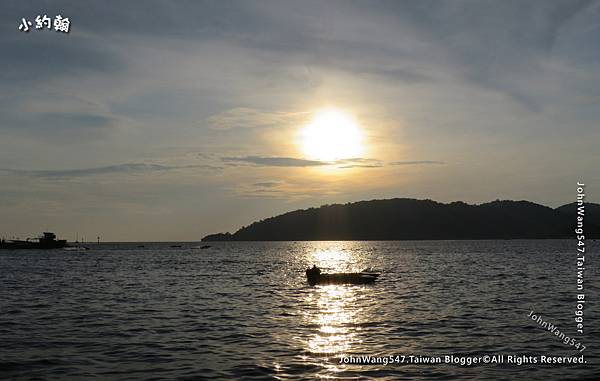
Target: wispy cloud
(57, 117)
(276, 161)
(104, 170)
(357, 162)
(268, 184)
(244, 117)
(348, 166)
(285, 190)
(417, 162)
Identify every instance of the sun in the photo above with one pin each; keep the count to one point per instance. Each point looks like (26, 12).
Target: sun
(331, 135)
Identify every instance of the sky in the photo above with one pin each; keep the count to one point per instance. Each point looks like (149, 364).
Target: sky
(170, 120)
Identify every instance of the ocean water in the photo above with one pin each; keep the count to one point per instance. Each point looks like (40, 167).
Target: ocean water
(245, 311)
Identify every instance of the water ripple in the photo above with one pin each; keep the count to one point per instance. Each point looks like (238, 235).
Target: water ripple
(244, 310)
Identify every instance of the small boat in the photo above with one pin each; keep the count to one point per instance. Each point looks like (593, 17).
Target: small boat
(314, 277)
(205, 247)
(76, 248)
(175, 246)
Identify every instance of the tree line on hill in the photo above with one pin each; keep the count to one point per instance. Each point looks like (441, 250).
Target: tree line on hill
(411, 219)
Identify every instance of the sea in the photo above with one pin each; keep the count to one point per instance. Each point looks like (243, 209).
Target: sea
(244, 311)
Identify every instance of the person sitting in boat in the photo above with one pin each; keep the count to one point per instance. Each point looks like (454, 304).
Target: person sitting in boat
(314, 272)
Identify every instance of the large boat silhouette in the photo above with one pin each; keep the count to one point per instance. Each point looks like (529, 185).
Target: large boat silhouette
(47, 241)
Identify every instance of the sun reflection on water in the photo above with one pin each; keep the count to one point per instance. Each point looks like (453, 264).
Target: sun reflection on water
(335, 320)
(337, 258)
(335, 312)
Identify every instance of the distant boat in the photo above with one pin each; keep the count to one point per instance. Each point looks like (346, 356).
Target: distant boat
(47, 241)
(175, 246)
(76, 248)
(314, 277)
(203, 247)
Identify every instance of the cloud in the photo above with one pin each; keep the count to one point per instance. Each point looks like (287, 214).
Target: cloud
(417, 162)
(358, 162)
(289, 189)
(55, 117)
(360, 166)
(58, 125)
(499, 46)
(79, 120)
(243, 117)
(268, 184)
(400, 74)
(275, 161)
(109, 169)
(37, 57)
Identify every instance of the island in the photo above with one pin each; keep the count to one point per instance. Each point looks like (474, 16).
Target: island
(413, 219)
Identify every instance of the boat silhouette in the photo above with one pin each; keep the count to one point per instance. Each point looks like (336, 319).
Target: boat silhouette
(46, 241)
(314, 276)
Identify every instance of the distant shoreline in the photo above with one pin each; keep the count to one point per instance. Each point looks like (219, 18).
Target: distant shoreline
(107, 243)
(403, 219)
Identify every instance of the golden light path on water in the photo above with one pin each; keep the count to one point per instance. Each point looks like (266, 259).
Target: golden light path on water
(336, 317)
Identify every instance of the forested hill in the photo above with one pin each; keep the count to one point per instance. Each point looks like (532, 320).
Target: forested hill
(411, 219)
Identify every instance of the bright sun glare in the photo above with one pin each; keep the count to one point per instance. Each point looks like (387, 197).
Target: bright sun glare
(331, 135)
